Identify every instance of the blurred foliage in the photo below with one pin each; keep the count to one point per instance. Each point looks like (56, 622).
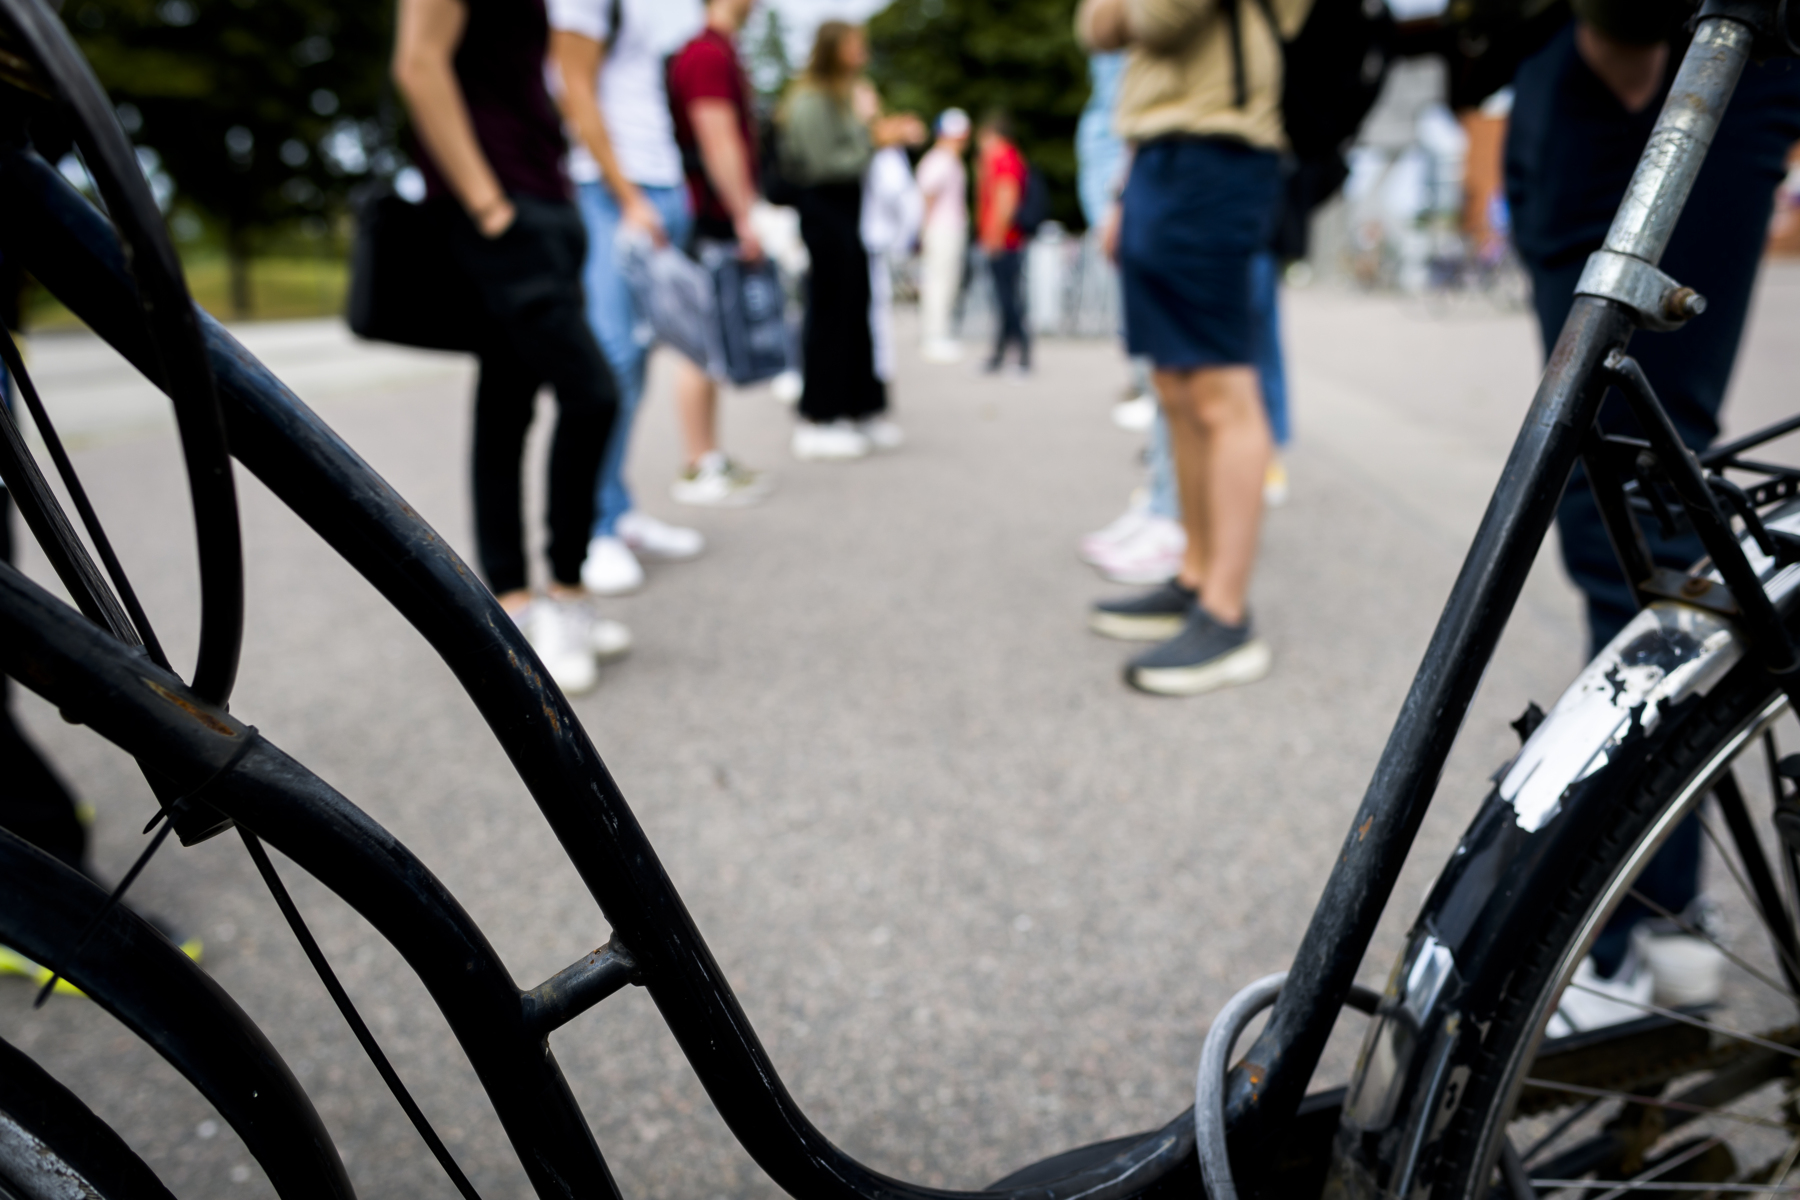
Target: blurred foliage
(766, 56)
(262, 113)
(282, 287)
(1019, 55)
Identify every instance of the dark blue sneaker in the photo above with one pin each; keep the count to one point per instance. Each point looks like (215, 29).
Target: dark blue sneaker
(1152, 616)
(1205, 655)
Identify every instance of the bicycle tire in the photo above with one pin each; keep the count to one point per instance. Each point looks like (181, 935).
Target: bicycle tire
(1572, 904)
(53, 1147)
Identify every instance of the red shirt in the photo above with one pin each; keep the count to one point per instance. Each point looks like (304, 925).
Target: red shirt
(1004, 162)
(707, 68)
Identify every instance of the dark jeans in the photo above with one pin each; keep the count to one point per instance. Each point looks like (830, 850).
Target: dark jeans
(1008, 270)
(1570, 152)
(530, 282)
(34, 804)
(839, 348)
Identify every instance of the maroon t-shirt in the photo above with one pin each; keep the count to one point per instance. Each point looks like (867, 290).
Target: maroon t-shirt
(500, 66)
(707, 68)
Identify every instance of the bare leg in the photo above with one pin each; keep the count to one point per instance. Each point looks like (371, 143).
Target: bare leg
(1222, 448)
(1187, 445)
(1228, 403)
(697, 411)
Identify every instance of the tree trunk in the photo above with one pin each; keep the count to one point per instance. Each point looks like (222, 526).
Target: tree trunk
(237, 255)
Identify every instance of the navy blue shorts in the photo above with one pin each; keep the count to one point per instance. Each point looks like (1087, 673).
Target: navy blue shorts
(1196, 211)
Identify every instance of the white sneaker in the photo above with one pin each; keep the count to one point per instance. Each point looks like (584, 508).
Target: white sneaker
(606, 638)
(559, 635)
(651, 538)
(1135, 415)
(1151, 554)
(882, 433)
(1593, 1001)
(943, 350)
(840, 441)
(717, 482)
(1120, 529)
(1688, 969)
(610, 568)
(787, 386)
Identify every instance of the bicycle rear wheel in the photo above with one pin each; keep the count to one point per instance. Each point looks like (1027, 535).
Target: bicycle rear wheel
(52, 1146)
(1707, 1095)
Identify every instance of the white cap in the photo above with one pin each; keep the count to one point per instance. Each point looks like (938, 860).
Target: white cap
(953, 122)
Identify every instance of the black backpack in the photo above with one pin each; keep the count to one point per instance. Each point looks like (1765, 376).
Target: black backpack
(1332, 74)
(1034, 203)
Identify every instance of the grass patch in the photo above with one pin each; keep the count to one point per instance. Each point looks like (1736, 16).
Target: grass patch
(281, 289)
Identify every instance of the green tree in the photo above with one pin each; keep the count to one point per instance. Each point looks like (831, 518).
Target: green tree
(263, 112)
(768, 65)
(1019, 55)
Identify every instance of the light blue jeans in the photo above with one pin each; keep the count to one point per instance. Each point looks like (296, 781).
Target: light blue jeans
(624, 339)
(1265, 310)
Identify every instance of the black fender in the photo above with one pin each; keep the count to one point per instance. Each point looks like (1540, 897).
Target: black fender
(162, 996)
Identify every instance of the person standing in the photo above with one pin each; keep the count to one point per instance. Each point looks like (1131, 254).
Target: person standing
(472, 75)
(825, 148)
(944, 238)
(715, 130)
(999, 190)
(1583, 109)
(627, 174)
(1201, 102)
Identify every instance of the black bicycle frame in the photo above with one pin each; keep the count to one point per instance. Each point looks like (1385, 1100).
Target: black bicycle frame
(99, 680)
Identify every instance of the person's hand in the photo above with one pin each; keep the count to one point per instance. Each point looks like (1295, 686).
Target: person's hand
(1633, 73)
(749, 245)
(1109, 232)
(495, 217)
(640, 214)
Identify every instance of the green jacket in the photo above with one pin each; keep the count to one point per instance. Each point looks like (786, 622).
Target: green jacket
(822, 141)
(1636, 22)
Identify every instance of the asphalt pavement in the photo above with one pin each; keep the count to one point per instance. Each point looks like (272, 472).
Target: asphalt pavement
(978, 898)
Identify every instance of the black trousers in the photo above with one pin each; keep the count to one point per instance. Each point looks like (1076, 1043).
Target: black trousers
(530, 283)
(839, 349)
(1008, 270)
(1571, 149)
(34, 804)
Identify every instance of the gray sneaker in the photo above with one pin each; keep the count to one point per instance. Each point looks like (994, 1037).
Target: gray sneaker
(1205, 655)
(1152, 616)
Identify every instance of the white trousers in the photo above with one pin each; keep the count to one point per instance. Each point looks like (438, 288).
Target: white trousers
(941, 275)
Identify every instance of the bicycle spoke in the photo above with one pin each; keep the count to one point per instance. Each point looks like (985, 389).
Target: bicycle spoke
(1769, 902)
(1647, 1182)
(1788, 961)
(1693, 930)
(1696, 1022)
(1557, 1130)
(1700, 1110)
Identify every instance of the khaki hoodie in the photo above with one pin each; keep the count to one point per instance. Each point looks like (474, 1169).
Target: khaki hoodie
(1179, 78)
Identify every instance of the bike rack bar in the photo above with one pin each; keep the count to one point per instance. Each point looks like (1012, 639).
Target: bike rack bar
(577, 988)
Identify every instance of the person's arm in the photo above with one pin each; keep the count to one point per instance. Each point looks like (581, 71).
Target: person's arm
(727, 163)
(1100, 25)
(577, 59)
(424, 50)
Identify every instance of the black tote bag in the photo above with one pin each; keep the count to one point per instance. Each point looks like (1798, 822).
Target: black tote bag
(405, 286)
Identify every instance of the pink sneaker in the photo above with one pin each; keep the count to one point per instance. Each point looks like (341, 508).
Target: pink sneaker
(1122, 528)
(1150, 555)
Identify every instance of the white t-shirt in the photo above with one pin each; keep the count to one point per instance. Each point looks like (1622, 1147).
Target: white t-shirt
(944, 182)
(890, 207)
(633, 100)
